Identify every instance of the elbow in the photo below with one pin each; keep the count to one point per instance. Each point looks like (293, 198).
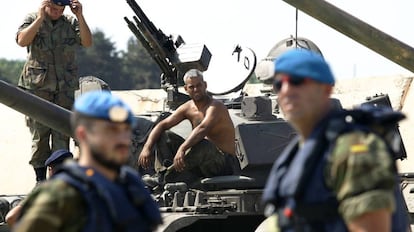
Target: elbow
(201, 133)
(203, 129)
(21, 43)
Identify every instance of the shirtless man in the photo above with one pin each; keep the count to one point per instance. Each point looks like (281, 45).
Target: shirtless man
(210, 148)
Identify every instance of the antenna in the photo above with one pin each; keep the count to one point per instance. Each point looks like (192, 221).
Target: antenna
(296, 28)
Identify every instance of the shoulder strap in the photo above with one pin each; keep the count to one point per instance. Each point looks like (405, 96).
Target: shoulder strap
(309, 157)
(382, 121)
(270, 193)
(320, 144)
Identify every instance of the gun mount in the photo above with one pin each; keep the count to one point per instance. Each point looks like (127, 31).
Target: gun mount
(173, 55)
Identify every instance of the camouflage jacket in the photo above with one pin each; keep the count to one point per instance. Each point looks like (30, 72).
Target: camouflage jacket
(51, 60)
(362, 173)
(53, 206)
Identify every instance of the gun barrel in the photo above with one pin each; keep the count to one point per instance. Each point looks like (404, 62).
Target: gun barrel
(155, 52)
(35, 107)
(358, 30)
(143, 17)
(164, 52)
(152, 42)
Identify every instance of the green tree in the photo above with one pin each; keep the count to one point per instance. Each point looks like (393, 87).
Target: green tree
(253, 79)
(10, 70)
(102, 60)
(138, 67)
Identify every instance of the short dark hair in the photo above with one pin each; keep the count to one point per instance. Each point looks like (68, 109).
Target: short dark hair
(78, 119)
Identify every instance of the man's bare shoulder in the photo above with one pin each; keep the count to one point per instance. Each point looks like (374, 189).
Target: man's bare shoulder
(181, 113)
(219, 104)
(184, 108)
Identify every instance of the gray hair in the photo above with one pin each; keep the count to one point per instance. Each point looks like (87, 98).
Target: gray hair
(192, 73)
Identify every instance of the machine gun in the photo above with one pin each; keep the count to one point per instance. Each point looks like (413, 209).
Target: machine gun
(172, 55)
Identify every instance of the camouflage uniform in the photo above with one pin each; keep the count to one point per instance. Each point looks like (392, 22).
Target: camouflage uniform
(50, 72)
(362, 173)
(53, 206)
(202, 160)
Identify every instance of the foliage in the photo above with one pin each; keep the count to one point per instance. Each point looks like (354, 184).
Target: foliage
(10, 70)
(131, 69)
(138, 66)
(253, 79)
(101, 60)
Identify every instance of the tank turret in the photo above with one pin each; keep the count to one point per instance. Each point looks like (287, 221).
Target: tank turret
(264, 69)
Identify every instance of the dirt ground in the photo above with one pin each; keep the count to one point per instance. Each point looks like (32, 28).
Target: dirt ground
(17, 176)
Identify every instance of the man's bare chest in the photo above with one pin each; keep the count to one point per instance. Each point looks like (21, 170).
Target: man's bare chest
(196, 118)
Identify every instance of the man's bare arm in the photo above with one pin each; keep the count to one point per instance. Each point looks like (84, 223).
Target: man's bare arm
(198, 133)
(26, 36)
(172, 120)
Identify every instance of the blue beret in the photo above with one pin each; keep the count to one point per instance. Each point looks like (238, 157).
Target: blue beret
(58, 157)
(104, 105)
(62, 2)
(304, 63)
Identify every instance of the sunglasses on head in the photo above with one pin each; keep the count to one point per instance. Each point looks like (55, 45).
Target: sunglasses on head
(292, 79)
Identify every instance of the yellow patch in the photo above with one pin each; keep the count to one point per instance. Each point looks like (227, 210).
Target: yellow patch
(89, 172)
(359, 148)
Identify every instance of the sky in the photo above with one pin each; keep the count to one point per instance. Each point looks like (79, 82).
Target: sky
(221, 25)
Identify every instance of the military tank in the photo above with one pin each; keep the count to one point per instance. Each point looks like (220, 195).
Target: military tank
(220, 203)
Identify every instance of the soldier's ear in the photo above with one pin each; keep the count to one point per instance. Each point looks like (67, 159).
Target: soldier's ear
(329, 89)
(80, 133)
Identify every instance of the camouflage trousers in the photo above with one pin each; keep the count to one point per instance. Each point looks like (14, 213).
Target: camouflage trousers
(202, 160)
(44, 139)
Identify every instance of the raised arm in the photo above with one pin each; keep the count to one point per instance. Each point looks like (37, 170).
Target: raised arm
(175, 118)
(85, 33)
(26, 35)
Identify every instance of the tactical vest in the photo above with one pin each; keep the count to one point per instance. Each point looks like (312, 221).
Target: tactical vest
(51, 59)
(297, 190)
(123, 205)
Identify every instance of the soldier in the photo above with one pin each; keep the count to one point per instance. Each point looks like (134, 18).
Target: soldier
(52, 163)
(50, 71)
(324, 182)
(56, 159)
(210, 148)
(99, 193)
